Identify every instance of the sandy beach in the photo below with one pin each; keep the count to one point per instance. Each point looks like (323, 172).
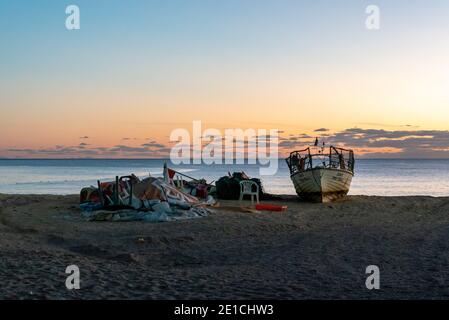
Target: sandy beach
(310, 251)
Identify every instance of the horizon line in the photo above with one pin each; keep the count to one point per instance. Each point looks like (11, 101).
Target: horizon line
(168, 159)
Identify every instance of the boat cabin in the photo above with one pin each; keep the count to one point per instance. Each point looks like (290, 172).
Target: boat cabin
(307, 159)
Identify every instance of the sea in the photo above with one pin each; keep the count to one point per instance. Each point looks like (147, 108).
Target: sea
(382, 177)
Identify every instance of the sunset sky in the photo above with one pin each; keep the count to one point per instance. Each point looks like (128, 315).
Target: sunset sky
(136, 70)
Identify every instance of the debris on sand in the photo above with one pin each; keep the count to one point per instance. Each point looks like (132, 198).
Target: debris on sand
(129, 198)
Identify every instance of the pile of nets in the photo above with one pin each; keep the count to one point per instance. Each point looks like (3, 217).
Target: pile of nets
(228, 187)
(131, 199)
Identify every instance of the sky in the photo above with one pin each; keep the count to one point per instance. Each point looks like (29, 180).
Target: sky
(137, 70)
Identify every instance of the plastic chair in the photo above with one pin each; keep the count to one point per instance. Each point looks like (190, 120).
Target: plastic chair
(246, 188)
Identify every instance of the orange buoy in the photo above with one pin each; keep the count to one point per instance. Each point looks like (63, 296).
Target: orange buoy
(270, 207)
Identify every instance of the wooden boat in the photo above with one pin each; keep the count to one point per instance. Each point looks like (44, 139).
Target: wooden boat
(320, 176)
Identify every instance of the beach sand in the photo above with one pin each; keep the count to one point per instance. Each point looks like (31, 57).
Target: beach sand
(310, 251)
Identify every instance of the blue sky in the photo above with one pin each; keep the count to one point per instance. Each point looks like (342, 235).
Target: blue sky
(189, 32)
(147, 66)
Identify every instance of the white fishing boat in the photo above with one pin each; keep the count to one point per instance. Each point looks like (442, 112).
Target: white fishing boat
(319, 176)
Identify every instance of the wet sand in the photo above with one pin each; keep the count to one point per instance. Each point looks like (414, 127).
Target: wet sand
(310, 251)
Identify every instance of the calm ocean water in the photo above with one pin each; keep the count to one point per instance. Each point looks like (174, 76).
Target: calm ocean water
(373, 177)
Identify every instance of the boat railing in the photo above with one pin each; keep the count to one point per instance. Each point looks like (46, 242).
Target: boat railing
(338, 158)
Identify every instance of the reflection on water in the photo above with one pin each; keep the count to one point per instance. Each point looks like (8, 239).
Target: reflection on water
(373, 177)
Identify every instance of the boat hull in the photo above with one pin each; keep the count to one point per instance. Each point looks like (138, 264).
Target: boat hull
(322, 184)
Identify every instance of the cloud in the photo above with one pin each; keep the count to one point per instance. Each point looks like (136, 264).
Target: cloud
(387, 125)
(129, 139)
(84, 137)
(289, 144)
(418, 143)
(123, 148)
(86, 150)
(295, 141)
(366, 142)
(153, 144)
(297, 137)
(56, 151)
(379, 142)
(321, 130)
